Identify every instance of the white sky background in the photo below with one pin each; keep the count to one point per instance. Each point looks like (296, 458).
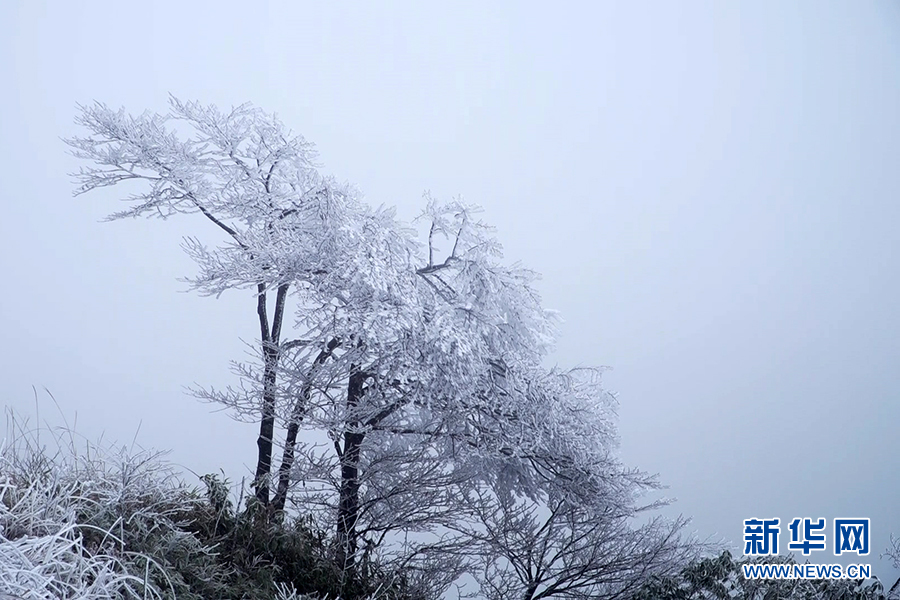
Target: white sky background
(709, 189)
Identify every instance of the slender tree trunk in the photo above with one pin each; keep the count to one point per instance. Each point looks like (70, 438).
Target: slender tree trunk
(348, 502)
(290, 442)
(270, 338)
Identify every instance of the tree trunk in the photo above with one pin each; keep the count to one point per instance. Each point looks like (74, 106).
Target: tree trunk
(290, 441)
(348, 502)
(270, 349)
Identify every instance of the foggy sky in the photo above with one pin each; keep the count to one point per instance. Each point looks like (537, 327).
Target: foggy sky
(709, 189)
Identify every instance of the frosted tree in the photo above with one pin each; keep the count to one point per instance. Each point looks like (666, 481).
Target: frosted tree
(248, 176)
(422, 364)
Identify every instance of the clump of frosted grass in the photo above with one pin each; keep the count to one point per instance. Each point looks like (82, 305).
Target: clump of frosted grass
(93, 521)
(68, 511)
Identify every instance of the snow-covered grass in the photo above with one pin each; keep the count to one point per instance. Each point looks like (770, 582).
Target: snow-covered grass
(69, 512)
(82, 520)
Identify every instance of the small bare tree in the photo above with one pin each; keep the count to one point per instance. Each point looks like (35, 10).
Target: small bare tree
(893, 552)
(569, 548)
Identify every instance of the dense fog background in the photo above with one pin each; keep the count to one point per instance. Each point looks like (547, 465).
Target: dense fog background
(710, 190)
